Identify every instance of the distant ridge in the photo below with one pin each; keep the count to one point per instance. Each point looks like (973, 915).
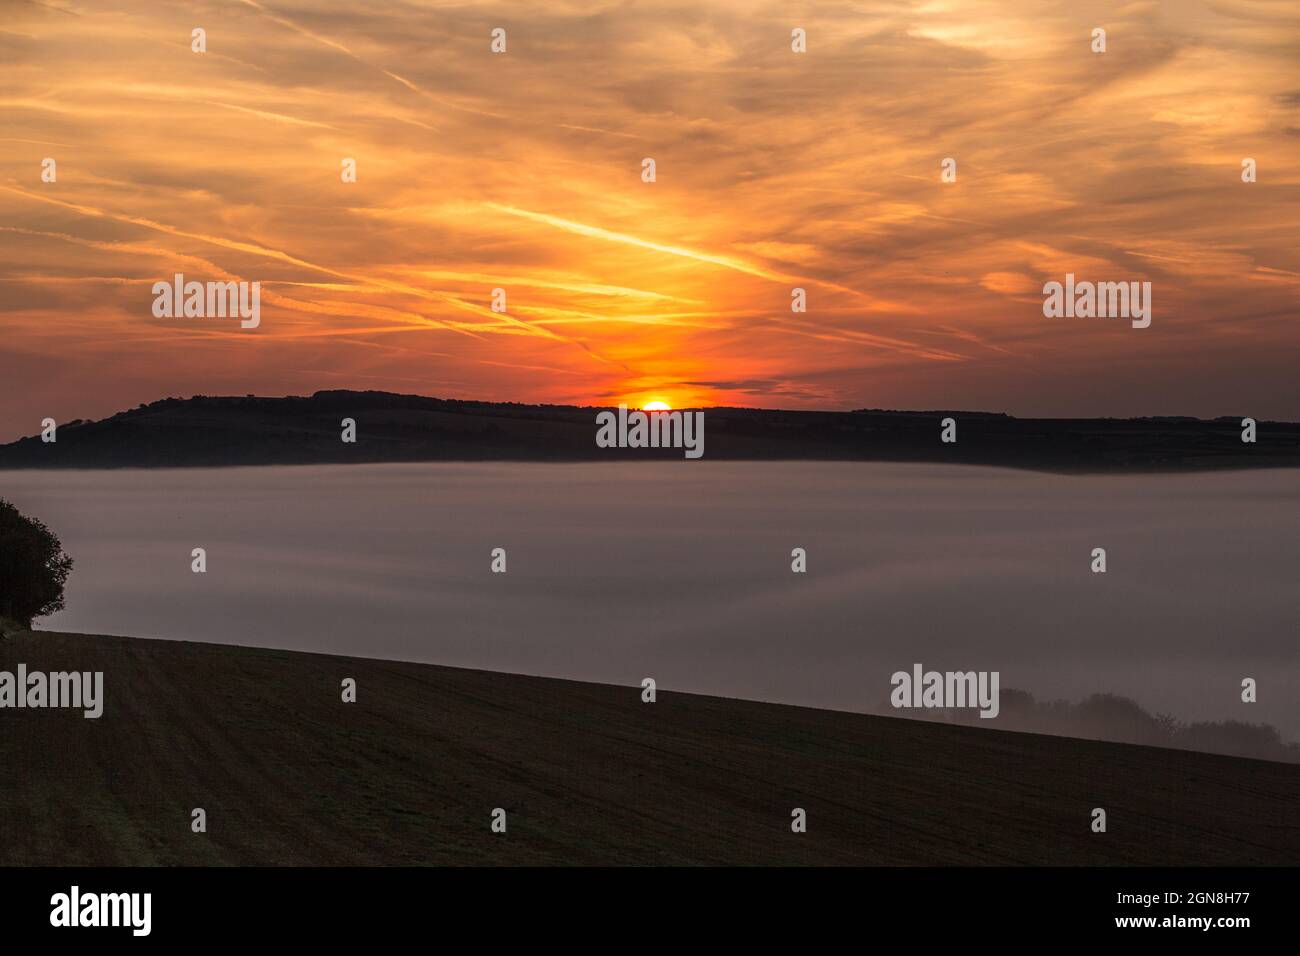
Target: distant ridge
(208, 431)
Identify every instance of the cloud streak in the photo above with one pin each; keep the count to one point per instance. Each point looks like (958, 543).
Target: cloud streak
(776, 170)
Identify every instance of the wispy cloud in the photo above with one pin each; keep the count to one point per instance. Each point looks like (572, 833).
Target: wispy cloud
(775, 170)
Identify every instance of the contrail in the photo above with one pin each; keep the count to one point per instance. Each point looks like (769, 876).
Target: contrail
(726, 262)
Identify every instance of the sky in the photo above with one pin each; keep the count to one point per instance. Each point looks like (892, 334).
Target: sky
(523, 171)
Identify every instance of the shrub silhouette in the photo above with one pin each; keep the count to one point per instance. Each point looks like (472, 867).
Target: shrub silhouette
(1119, 719)
(33, 569)
(1233, 736)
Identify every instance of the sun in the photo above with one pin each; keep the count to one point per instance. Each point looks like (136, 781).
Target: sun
(656, 407)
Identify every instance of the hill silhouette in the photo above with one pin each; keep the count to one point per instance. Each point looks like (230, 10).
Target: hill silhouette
(588, 774)
(207, 431)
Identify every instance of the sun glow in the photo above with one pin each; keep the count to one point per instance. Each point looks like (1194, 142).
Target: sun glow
(656, 407)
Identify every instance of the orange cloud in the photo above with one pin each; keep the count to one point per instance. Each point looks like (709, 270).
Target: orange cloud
(775, 170)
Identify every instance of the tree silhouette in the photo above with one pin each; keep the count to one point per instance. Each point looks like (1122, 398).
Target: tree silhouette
(33, 568)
